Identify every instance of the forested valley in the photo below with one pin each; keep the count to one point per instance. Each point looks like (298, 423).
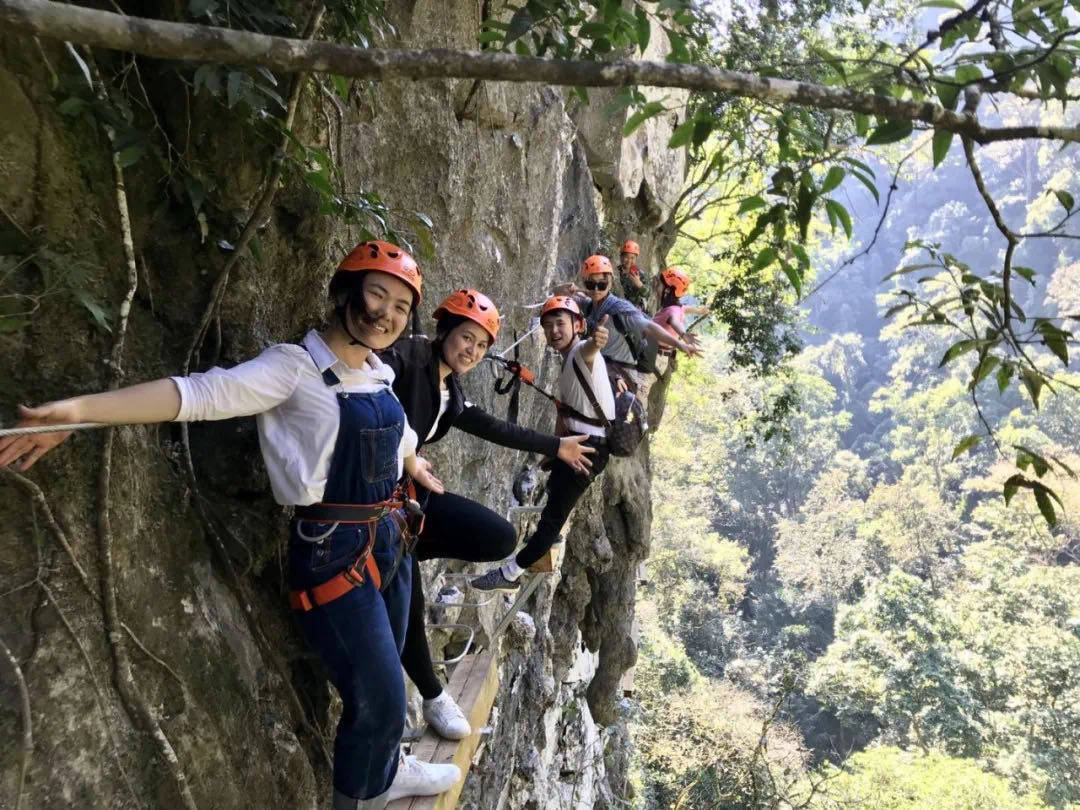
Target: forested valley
(841, 609)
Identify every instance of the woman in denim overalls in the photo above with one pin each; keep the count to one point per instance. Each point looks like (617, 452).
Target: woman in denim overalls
(335, 441)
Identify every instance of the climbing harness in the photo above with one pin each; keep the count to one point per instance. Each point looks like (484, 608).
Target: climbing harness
(410, 523)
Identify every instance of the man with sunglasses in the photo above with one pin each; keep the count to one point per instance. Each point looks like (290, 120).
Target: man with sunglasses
(597, 300)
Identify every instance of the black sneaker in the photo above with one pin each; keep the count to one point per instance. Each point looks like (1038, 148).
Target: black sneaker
(494, 580)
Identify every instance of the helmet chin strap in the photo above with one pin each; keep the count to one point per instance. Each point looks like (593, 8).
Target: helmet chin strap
(342, 311)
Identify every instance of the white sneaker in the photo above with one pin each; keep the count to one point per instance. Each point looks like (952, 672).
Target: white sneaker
(443, 714)
(416, 778)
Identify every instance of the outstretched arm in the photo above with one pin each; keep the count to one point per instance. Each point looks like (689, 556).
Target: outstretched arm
(661, 335)
(146, 403)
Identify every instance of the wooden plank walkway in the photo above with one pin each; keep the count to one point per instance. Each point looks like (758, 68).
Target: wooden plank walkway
(474, 684)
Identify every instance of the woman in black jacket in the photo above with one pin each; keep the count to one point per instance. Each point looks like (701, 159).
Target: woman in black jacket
(426, 381)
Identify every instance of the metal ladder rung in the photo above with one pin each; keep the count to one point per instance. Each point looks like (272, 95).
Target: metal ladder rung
(487, 601)
(468, 644)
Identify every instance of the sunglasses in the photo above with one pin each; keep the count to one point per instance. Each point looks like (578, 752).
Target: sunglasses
(596, 285)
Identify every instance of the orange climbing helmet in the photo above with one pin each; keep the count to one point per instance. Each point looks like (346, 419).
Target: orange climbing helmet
(385, 258)
(475, 306)
(630, 246)
(564, 303)
(595, 265)
(677, 279)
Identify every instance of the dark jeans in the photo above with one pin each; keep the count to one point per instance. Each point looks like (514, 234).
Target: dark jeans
(565, 487)
(359, 637)
(458, 529)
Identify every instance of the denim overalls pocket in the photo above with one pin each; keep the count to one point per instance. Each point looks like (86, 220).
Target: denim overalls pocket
(379, 452)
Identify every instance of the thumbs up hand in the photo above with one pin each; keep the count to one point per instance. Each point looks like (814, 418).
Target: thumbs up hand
(600, 333)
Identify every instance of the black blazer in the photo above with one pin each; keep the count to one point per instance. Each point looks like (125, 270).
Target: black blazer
(416, 383)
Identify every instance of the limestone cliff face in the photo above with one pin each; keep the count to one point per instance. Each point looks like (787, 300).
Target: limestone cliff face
(521, 185)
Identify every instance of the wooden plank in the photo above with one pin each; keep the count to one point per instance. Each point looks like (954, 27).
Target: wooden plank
(474, 684)
(550, 561)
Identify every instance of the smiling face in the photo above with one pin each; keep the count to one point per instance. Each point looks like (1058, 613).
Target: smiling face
(559, 329)
(388, 302)
(627, 259)
(465, 346)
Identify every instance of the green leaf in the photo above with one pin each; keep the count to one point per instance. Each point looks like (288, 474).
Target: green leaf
(1066, 200)
(642, 27)
(682, 135)
(957, 349)
(941, 4)
(1025, 273)
(968, 74)
(647, 111)
(1026, 457)
(942, 141)
(1033, 381)
(320, 182)
(866, 181)
(891, 131)
(750, 204)
(1056, 341)
(91, 305)
(1012, 486)
(1046, 507)
(982, 370)
(702, 130)
(800, 254)
(764, 258)
(71, 106)
(679, 52)
(489, 36)
(909, 268)
(1004, 377)
(594, 30)
(834, 178)
(520, 24)
(832, 207)
(130, 156)
(862, 124)
(948, 94)
(794, 276)
(964, 445)
(238, 85)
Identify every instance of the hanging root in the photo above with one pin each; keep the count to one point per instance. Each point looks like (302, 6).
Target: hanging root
(134, 703)
(28, 722)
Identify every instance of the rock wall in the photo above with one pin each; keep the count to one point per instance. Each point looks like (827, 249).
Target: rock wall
(521, 185)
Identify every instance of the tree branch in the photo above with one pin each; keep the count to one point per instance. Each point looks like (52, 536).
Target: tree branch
(168, 40)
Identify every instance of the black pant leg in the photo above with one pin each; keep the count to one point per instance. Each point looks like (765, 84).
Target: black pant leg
(565, 487)
(416, 656)
(457, 528)
(454, 528)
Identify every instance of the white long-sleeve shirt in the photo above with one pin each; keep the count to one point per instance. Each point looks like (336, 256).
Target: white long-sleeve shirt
(296, 411)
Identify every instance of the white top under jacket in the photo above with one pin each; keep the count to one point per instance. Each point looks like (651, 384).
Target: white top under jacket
(571, 393)
(296, 411)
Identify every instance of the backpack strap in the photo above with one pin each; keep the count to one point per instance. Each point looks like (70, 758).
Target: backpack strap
(604, 422)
